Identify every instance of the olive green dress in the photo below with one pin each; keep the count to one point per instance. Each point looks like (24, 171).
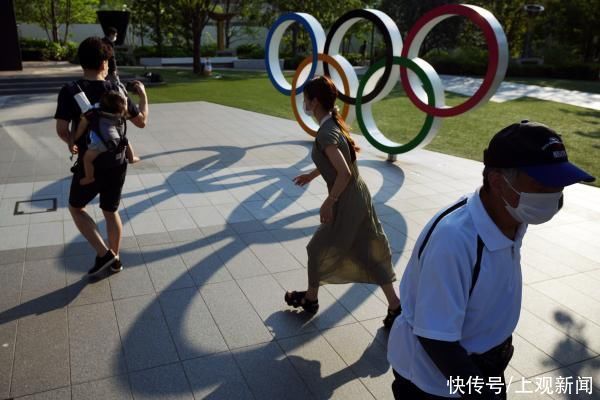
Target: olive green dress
(354, 247)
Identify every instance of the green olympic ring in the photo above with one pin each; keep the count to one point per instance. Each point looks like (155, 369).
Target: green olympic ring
(367, 123)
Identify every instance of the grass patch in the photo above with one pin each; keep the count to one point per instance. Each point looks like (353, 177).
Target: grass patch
(464, 136)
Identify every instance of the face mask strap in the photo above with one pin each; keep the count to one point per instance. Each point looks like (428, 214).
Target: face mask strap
(510, 185)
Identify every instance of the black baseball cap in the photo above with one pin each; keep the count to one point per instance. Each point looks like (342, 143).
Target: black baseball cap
(538, 151)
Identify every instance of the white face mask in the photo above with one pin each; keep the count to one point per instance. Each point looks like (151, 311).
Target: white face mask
(534, 208)
(308, 111)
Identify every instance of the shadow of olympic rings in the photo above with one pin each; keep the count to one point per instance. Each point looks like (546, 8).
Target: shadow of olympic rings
(277, 178)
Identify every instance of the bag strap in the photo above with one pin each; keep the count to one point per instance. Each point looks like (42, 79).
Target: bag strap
(480, 244)
(79, 96)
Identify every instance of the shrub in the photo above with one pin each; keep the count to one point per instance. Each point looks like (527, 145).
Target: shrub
(45, 50)
(250, 50)
(470, 62)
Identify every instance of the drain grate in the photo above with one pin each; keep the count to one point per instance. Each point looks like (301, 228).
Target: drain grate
(35, 206)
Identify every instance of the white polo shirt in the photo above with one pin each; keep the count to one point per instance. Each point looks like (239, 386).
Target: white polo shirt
(434, 293)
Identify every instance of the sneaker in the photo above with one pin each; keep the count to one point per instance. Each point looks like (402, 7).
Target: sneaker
(102, 262)
(116, 267)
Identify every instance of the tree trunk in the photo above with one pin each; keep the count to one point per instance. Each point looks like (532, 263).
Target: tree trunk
(53, 21)
(67, 20)
(157, 31)
(196, 31)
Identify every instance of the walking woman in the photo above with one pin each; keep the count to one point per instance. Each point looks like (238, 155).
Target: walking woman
(350, 244)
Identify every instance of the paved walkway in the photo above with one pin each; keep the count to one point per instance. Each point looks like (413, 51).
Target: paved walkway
(512, 91)
(215, 232)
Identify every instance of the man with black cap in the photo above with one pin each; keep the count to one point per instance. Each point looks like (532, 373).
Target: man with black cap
(461, 290)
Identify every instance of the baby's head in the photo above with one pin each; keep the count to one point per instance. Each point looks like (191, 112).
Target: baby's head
(113, 102)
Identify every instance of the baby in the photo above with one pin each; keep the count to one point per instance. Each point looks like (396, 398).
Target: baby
(104, 123)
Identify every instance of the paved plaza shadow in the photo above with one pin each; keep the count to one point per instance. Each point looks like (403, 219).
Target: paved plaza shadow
(274, 181)
(49, 302)
(573, 346)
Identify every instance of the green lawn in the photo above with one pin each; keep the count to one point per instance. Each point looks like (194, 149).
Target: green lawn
(465, 136)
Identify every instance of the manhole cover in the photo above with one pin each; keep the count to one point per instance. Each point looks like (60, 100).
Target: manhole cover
(35, 206)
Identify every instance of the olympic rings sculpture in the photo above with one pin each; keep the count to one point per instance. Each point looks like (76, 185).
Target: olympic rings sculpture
(419, 79)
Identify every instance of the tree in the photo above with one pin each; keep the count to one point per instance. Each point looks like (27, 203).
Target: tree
(195, 14)
(574, 24)
(51, 14)
(326, 12)
(406, 12)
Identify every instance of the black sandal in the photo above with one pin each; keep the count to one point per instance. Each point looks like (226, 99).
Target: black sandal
(298, 299)
(391, 316)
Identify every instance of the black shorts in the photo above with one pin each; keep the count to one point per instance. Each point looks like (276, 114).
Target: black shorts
(109, 184)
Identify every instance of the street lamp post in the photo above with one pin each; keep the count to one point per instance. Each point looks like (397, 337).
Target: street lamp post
(532, 10)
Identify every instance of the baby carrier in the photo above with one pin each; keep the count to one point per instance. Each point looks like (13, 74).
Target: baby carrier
(111, 129)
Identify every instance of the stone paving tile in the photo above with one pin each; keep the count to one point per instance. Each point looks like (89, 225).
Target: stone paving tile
(11, 276)
(43, 252)
(58, 394)
(572, 298)
(204, 263)
(94, 343)
(80, 289)
(322, 369)
(12, 256)
(206, 216)
(7, 214)
(231, 310)
(359, 301)
(13, 237)
(41, 361)
(562, 318)
(239, 259)
(165, 199)
(44, 285)
(166, 382)
(268, 250)
(565, 350)
(191, 325)
(116, 388)
(530, 360)
(186, 235)
(234, 213)
(134, 280)
(146, 222)
(144, 334)
(269, 374)
(176, 219)
(20, 191)
(153, 239)
(166, 268)
(366, 357)
(8, 332)
(217, 377)
(45, 234)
